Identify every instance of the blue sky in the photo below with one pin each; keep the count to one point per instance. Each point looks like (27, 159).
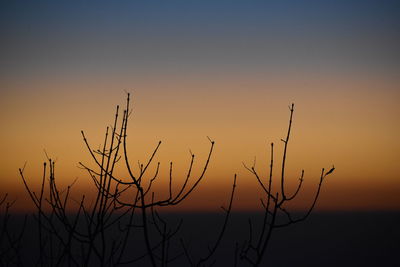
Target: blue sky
(105, 36)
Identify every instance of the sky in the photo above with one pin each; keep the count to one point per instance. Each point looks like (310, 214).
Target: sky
(224, 69)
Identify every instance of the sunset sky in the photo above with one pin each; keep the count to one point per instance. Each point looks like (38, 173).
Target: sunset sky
(224, 69)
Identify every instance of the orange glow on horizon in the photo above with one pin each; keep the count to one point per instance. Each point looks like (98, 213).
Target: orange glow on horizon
(336, 125)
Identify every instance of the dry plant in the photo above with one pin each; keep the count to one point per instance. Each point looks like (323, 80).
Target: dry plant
(100, 233)
(274, 203)
(123, 223)
(10, 242)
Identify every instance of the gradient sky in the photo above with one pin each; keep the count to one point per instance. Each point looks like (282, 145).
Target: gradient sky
(225, 69)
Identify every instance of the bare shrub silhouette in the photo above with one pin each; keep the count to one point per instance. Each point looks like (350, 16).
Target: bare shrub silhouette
(102, 229)
(10, 242)
(273, 203)
(123, 223)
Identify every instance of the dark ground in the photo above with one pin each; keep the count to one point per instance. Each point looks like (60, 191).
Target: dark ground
(324, 239)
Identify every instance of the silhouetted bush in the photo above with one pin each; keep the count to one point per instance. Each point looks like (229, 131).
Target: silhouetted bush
(123, 225)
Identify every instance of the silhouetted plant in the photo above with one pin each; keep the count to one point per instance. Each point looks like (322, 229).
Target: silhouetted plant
(122, 224)
(10, 242)
(93, 227)
(274, 203)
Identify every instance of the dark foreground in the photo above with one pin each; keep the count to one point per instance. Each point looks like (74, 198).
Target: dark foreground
(324, 239)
